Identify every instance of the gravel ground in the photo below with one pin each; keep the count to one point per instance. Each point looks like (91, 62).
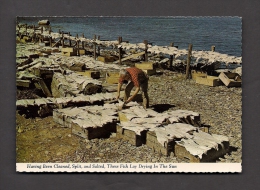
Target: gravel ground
(42, 140)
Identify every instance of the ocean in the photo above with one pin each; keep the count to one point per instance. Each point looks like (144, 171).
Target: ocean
(225, 33)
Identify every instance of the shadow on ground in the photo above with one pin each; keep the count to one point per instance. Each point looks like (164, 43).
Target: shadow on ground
(162, 107)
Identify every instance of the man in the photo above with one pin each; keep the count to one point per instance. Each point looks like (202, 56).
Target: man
(138, 79)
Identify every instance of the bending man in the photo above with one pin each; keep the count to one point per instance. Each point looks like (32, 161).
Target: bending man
(138, 79)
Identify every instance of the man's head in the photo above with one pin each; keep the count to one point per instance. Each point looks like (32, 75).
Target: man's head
(124, 75)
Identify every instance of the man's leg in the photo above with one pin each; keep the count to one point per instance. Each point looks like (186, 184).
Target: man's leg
(128, 89)
(144, 88)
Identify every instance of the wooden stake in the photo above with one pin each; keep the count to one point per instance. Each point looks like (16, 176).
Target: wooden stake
(82, 43)
(62, 41)
(95, 55)
(77, 41)
(69, 40)
(120, 50)
(145, 50)
(171, 56)
(188, 62)
(41, 30)
(213, 48)
(50, 39)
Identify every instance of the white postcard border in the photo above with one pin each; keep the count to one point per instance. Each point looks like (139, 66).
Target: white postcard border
(130, 167)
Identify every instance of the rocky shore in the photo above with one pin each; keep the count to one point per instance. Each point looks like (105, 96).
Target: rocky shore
(43, 140)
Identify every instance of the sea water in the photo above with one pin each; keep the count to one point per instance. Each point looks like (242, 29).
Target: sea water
(225, 33)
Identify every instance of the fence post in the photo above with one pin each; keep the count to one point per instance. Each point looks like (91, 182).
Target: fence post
(171, 56)
(188, 62)
(95, 54)
(120, 50)
(213, 48)
(26, 29)
(62, 41)
(145, 50)
(77, 41)
(82, 43)
(50, 41)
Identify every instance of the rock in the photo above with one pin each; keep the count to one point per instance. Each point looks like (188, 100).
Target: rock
(59, 153)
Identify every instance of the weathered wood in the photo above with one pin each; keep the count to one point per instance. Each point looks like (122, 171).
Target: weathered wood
(44, 87)
(23, 83)
(145, 50)
(213, 48)
(130, 136)
(112, 77)
(90, 74)
(105, 58)
(188, 62)
(209, 80)
(145, 65)
(195, 74)
(152, 142)
(62, 39)
(230, 79)
(56, 43)
(171, 57)
(202, 147)
(89, 122)
(130, 57)
(120, 51)
(95, 47)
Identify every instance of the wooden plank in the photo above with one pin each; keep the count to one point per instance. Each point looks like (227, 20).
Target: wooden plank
(202, 147)
(112, 77)
(72, 50)
(208, 80)
(90, 74)
(130, 136)
(145, 65)
(44, 88)
(150, 72)
(152, 142)
(23, 83)
(195, 74)
(105, 58)
(130, 57)
(230, 79)
(69, 54)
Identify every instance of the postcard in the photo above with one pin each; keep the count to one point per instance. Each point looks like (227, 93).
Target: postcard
(129, 94)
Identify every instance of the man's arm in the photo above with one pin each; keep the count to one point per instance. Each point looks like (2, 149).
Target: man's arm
(118, 90)
(132, 97)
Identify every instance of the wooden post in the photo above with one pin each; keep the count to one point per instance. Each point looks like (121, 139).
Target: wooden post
(41, 30)
(98, 38)
(188, 62)
(62, 41)
(95, 55)
(50, 39)
(171, 56)
(33, 33)
(213, 48)
(69, 40)
(26, 29)
(77, 44)
(50, 30)
(120, 50)
(82, 41)
(145, 50)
